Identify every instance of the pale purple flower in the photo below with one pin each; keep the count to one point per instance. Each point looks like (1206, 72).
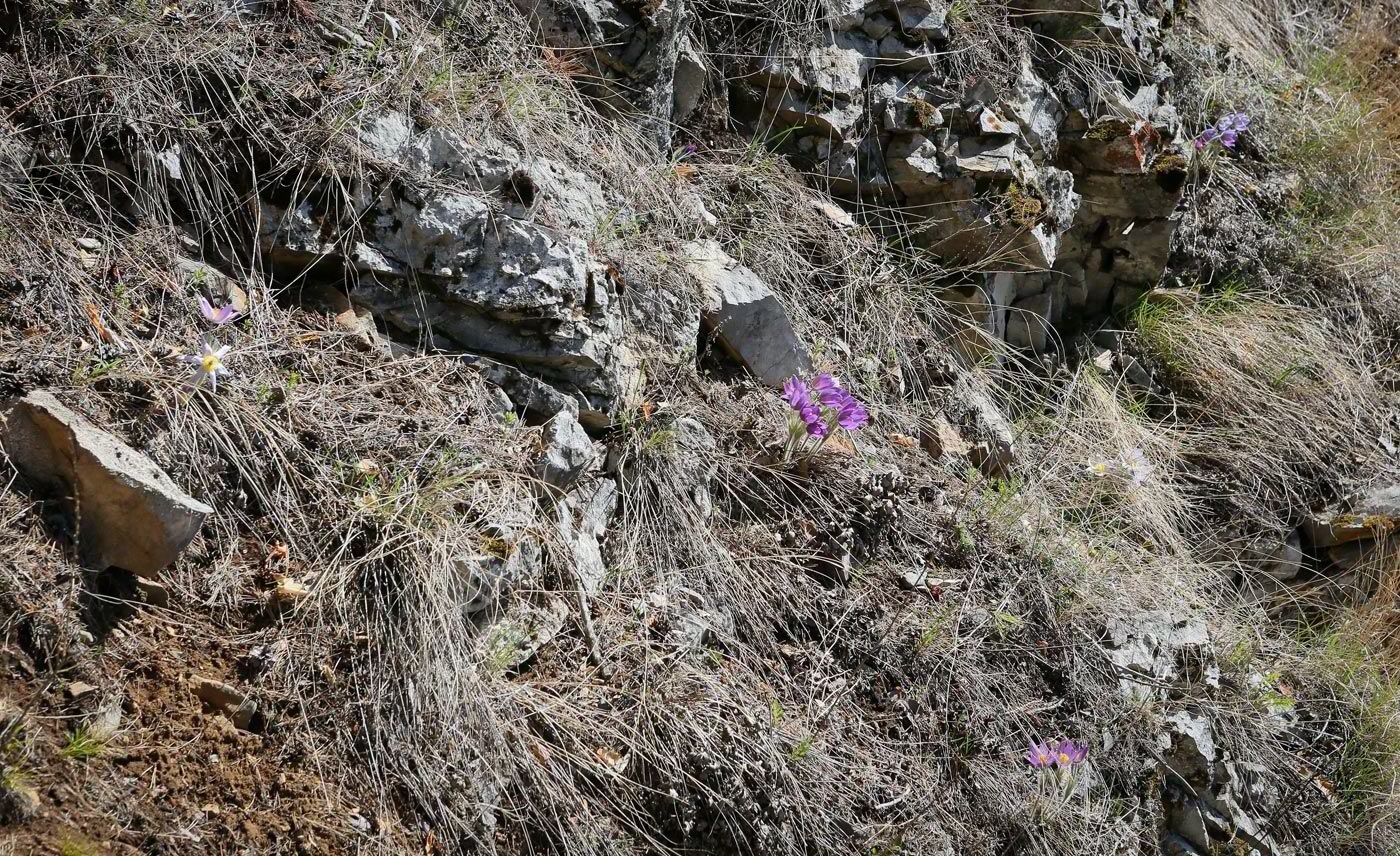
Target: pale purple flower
(852, 414)
(1135, 467)
(220, 316)
(1130, 467)
(1226, 130)
(208, 363)
(799, 397)
(1068, 753)
(828, 390)
(1041, 756)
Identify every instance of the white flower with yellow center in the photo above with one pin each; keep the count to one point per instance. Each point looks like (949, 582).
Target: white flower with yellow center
(208, 363)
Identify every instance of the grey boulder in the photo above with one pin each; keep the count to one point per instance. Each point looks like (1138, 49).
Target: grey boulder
(745, 316)
(568, 451)
(129, 512)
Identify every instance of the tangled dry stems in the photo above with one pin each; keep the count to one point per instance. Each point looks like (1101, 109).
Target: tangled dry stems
(877, 715)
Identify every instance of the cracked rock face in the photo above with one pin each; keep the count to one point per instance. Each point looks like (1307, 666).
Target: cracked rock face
(642, 57)
(1071, 190)
(482, 261)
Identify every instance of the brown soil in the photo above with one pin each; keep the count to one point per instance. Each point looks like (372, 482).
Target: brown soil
(175, 777)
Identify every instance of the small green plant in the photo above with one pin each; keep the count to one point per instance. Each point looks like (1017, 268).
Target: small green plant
(775, 712)
(503, 647)
(657, 440)
(1239, 655)
(1005, 623)
(935, 628)
(82, 744)
(15, 778)
(95, 370)
(802, 749)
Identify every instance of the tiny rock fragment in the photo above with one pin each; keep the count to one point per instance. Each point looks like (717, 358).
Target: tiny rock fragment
(78, 690)
(225, 699)
(941, 439)
(288, 592)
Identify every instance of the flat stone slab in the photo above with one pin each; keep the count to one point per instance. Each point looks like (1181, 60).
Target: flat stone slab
(128, 511)
(745, 316)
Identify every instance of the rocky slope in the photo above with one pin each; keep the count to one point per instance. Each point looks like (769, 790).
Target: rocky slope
(484, 513)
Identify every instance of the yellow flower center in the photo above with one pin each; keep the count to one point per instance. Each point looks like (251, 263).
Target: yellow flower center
(1064, 759)
(210, 363)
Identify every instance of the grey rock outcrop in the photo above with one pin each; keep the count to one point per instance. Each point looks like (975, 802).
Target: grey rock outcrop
(993, 448)
(1213, 804)
(745, 316)
(567, 452)
(482, 260)
(128, 512)
(487, 575)
(1375, 514)
(1072, 188)
(1149, 651)
(583, 520)
(641, 56)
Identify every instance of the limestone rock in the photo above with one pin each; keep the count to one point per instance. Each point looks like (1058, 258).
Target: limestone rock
(697, 465)
(485, 576)
(994, 449)
(941, 440)
(1189, 747)
(567, 453)
(520, 294)
(989, 122)
(512, 640)
(745, 316)
(1148, 650)
(386, 135)
(582, 522)
(987, 159)
(830, 70)
(1028, 324)
(1036, 107)
(913, 164)
(632, 51)
(128, 511)
(910, 115)
(1285, 561)
(924, 20)
(1373, 515)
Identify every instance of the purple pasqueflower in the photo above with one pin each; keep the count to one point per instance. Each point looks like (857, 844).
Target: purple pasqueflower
(795, 392)
(1226, 130)
(852, 414)
(1068, 753)
(1040, 756)
(220, 316)
(829, 391)
(823, 405)
(799, 396)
